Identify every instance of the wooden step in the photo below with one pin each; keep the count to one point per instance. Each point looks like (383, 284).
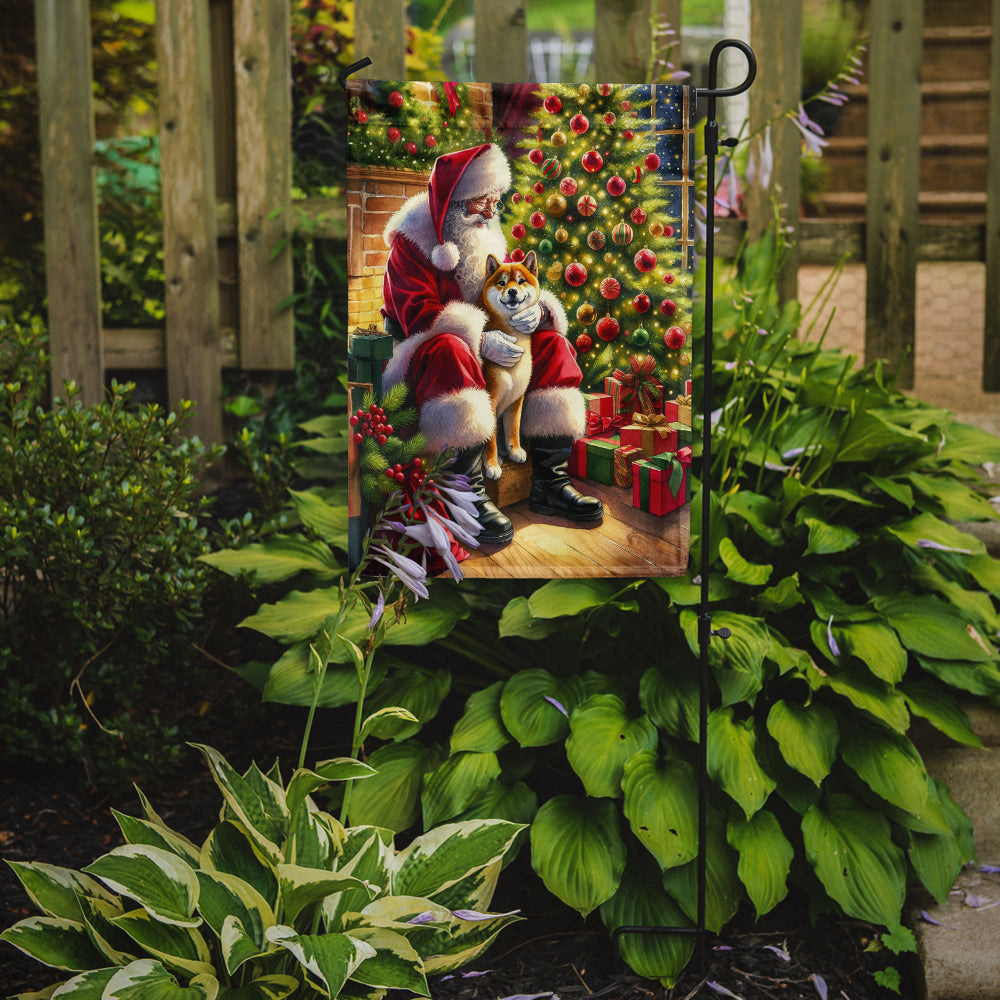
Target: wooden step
(956, 53)
(957, 206)
(940, 13)
(946, 106)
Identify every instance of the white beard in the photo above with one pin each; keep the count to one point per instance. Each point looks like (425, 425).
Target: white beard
(475, 243)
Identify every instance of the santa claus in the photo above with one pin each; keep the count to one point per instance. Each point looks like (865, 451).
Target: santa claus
(438, 244)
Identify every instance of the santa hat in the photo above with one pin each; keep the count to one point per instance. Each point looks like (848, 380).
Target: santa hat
(460, 176)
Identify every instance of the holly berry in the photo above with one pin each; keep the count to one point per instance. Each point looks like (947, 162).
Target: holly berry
(674, 338)
(668, 307)
(641, 302)
(399, 477)
(616, 186)
(552, 104)
(579, 124)
(358, 438)
(354, 420)
(584, 343)
(607, 328)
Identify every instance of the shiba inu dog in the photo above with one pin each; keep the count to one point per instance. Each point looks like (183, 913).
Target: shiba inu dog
(508, 289)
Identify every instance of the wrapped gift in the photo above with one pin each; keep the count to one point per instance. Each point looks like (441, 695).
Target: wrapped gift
(687, 387)
(601, 460)
(683, 432)
(640, 389)
(624, 457)
(670, 411)
(651, 433)
(577, 464)
(616, 390)
(600, 403)
(598, 426)
(659, 484)
(684, 409)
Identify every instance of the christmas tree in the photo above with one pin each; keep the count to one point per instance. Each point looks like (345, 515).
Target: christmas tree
(589, 197)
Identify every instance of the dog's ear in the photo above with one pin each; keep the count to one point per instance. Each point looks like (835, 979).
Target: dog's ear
(531, 262)
(492, 266)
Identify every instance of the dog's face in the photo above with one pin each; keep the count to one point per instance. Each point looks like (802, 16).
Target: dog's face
(511, 286)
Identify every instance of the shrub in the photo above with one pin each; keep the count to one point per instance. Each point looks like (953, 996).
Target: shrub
(99, 546)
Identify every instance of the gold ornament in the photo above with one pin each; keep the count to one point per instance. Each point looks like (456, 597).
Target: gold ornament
(586, 314)
(656, 229)
(684, 360)
(555, 205)
(561, 235)
(554, 272)
(584, 91)
(675, 373)
(558, 139)
(609, 258)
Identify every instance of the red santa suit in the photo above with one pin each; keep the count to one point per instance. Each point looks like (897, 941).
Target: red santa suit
(433, 301)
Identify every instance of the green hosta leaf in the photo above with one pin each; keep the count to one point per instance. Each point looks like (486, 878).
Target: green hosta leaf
(602, 738)
(641, 901)
(876, 646)
(141, 831)
(230, 849)
(562, 598)
(292, 681)
(301, 887)
(147, 979)
(160, 882)
(180, 948)
(515, 803)
(760, 512)
(741, 571)
(304, 782)
(330, 959)
(54, 941)
(265, 988)
(888, 763)
(517, 620)
(866, 692)
(481, 728)
(738, 661)
(391, 798)
(225, 897)
(417, 690)
(927, 527)
(528, 709)
(827, 539)
(807, 736)
(958, 502)
(456, 784)
(438, 859)
(661, 799)
(395, 964)
(870, 436)
(765, 858)
(965, 443)
(56, 891)
(578, 851)
(986, 571)
(931, 628)
(941, 709)
(279, 558)
(850, 848)
(86, 986)
(783, 595)
(327, 520)
(976, 678)
(732, 760)
(937, 860)
(671, 699)
(386, 723)
(893, 488)
(975, 605)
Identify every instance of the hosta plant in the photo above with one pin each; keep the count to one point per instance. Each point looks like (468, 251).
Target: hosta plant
(279, 900)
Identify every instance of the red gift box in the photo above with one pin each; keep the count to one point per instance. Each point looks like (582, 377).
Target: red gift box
(600, 403)
(670, 411)
(577, 464)
(598, 426)
(650, 433)
(660, 483)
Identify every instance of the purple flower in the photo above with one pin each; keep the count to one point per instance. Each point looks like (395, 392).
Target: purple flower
(377, 611)
(719, 988)
(780, 952)
(475, 915)
(927, 543)
(410, 573)
(552, 701)
(427, 917)
(811, 132)
(761, 162)
(820, 983)
(831, 642)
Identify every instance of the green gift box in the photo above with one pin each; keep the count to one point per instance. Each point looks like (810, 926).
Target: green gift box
(601, 459)
(683, 433)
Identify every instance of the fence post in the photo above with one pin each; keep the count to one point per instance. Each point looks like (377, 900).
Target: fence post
(262, 61)
(622, 40)
(380, 34)
(72, 254)
(776, 35)
(190, 249)
(991, 332)
(501, 36)
(893, 183)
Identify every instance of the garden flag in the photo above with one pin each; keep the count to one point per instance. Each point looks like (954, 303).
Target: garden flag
(519, 308)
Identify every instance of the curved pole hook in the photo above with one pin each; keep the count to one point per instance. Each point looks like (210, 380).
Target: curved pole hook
(713, 68)
(349, 70)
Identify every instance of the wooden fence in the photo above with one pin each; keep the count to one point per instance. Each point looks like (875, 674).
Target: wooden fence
(226, 159)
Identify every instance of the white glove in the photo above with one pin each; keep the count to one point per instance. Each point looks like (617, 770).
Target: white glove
(527, 320)
(500, 348)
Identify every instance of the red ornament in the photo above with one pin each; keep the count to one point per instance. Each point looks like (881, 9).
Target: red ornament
(616, 186)
(517, 254)
(539, 187)
(516, 197)
(674, 337)
(644, 260)
(638, 215)
(411, 148)
(552, 104)
(538, 220)
(611, 288)
(641, 302)
(395, 99)
(626, 105)
(652, 161)
(668, 231)
(668, 307)
(636, 175)
(607, 328)
(628, 134)
(609, 118)
(604, 89)
(575, 274)
(361, 116)
(536, 156)
(579, 124)
(568, 186)
(393, 134)
(586, 206)
(592, 161)
(518, 231)
(668, 278)
(430, 141)
(584, 343)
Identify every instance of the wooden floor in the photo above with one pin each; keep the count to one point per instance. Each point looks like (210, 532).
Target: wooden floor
(628, 543)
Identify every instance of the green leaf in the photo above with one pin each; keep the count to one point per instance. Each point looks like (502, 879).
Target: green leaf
(602, 738)
(927, 527)
(304, 782)
(741, 571)
(391, 798)
(395, 964)
(850, 848)
(141, 831)
(765, 858)
(671, 699)
(481, 728)
(417, 690)
(888, 763)
(301, 887)
(958, 502)
(661, 799)
(937, 859)
(807, 736)
(517, 620)
(941, 709)
(976, 678)
(785, 594)
(147, 979)
(986, 571)
(292, 681)
(893, 488)
(760, 512)
(330, 959)
(732, 760)
(281, 557)
(515, 803)
(738, 662)
(164, 885)
(56, 891)
(876, 646)
(527, 711)
(931, 628)
(327, 520)
(828, 539)
(578, 851)
(866, 692)
(180, 948)
(965, 443)
(562, 598)
(225, 897)
(54, 941)
(870, 436)
(456, 784)
(274, 987)
(87, 986)
(230, 849)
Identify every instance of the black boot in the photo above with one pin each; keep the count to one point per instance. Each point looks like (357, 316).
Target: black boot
(495, 527)
(551, 490)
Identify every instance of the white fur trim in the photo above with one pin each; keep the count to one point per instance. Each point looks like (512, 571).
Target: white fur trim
(445, 256)
(413, 220)
(460, 420)
(556, 319)
(488, 173)
(557, 412)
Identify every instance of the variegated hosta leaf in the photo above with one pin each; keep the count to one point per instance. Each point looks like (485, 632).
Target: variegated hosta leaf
(328, 959)
(456, 784)
(141, 831)
(732, 760)
(304, 782)
(476, 890)
(850, 847)
(116, 946)
(177, 947)
(578, 851)
(315, 838)
(602, 737)
(275, 987)
(238, 945)
(765, 858)
(441, 857)
(535, 706)
(54, 941)
(395, 964)
(300, 887)
(147, 979)
(661, 805)
(366, 855)
(159, 881)
(225, 897)
(86, 986)
(468, 939)
(56, 891)
(230, 849)
(807, 736)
